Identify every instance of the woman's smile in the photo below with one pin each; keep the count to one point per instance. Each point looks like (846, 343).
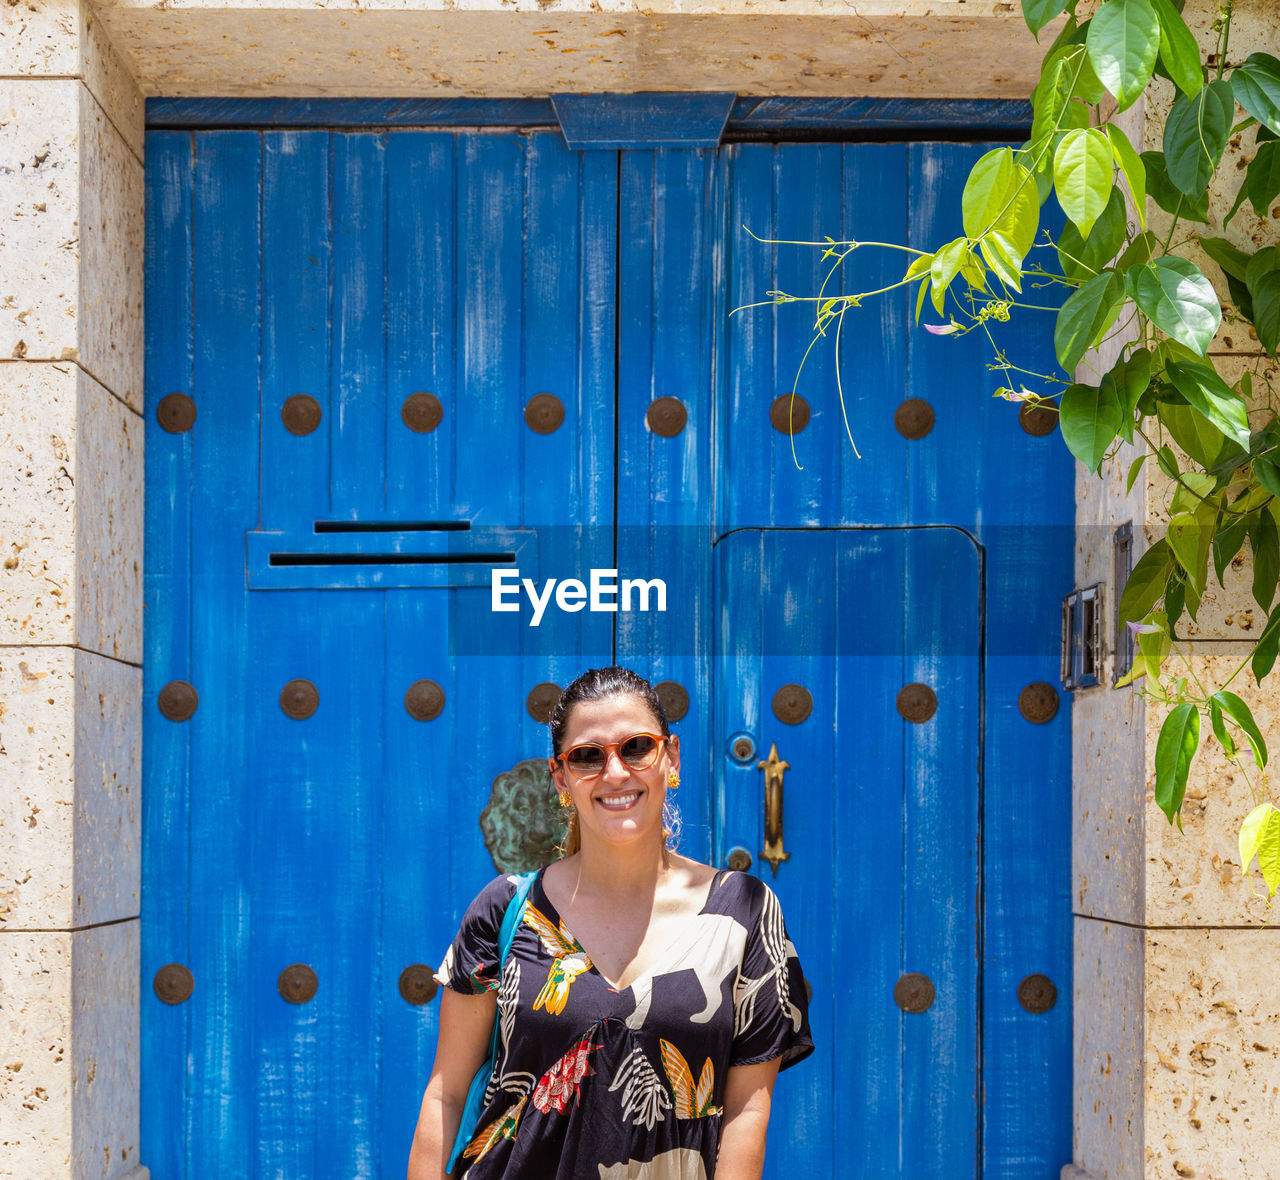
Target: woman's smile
(622, 802)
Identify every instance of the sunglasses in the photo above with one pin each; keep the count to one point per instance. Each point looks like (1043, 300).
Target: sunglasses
(639, 752)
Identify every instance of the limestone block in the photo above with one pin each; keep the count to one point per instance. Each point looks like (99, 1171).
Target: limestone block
(71, 522)
(72, 248)
(64, 39)
(1108, 1038)
(1194, 877)
(1212, 1076)
(69, 1075)
(442, 48)
(70, 815)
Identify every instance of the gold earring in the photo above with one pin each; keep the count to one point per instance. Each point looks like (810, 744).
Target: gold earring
(673, 780)
(565, 800)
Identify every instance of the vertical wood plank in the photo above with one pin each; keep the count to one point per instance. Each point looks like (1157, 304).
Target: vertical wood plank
(167, 603)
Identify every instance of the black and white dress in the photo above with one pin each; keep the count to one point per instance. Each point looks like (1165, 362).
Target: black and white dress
(594, 1082)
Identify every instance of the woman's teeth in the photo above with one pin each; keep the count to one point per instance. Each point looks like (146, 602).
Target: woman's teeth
(619, 802)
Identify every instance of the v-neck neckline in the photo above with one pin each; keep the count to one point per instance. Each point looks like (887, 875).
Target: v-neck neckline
(646, 974)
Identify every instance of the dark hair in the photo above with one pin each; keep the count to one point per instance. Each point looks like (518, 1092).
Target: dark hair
(598, 683)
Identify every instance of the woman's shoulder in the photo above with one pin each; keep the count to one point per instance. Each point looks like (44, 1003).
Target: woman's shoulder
(488, 906)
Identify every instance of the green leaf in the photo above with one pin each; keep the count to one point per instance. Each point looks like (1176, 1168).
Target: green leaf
(1083, 258)
(1085, 317)
(1138, 253)
(1264, 540)
(1262, 181)
(1134, 468)
(1226, 544)
(1213, 397)
(1003, 258)
(1264, 654)
(1082, 175)
(1256, 85)
(1173, 294)
(1194, 137)
(1239, 712)
(1267, 473)
(1189, 539)
(1123, 40)
(1129, 379)
(1225, 740)
(1089, 418)
(1154, 646)
(1199, 438)
(920, 265)
(1262, 278)
(1168, 464)
(1161, 190)
(1260, 837)
(1178, 49)
(1193, 489)
(1038, 13)
(944, 268)
(1175, 748)
(1136, 669)
(1232, 260)
(1131, 166)
(987, 191)
(1146, 583)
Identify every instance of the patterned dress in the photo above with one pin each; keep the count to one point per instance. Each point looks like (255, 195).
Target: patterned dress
(592, 1082)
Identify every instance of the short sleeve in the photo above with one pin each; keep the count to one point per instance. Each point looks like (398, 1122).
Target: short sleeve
(471, 963)
(770, 1008)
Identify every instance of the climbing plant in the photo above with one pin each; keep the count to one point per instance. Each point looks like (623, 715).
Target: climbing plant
(1134, 292)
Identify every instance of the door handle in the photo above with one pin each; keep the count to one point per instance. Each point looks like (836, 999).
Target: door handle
(774, 769)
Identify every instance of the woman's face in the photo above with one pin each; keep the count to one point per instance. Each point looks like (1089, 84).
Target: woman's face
(619, 805)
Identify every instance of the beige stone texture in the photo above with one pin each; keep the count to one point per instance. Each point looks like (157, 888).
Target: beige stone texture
(69, 1099)
(71, 521)
(65, 39)
(71, 249)
(446, 48)
(70, 813)
(1212, 1065)
(1108, 1024)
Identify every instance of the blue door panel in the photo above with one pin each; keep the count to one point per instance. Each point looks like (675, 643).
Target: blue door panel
(880, 823)
(360, 267)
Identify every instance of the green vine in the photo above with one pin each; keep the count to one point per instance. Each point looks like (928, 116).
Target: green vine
(1143, 299)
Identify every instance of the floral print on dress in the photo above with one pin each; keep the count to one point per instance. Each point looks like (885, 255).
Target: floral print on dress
(594, 1082)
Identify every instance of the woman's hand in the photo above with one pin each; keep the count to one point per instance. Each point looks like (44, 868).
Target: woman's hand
(466, 1024)
(748, 1090)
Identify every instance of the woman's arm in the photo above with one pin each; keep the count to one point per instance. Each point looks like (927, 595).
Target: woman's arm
(747, 1093)
(466, 1024)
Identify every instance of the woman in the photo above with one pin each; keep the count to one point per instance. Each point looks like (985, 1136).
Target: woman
(647, 1002)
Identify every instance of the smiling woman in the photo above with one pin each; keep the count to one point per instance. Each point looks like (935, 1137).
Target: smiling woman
(644, 1001)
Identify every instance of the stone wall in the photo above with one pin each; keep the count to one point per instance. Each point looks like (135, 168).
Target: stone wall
(71, 436)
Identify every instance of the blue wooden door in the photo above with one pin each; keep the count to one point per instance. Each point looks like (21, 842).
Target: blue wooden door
(879, 822)
(369, 325)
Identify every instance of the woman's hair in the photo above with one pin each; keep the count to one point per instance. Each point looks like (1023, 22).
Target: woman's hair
(597, 684)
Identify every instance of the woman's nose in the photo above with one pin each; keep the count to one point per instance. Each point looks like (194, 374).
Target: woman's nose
(614, 766)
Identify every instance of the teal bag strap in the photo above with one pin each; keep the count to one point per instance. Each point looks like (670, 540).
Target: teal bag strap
(474, 1104)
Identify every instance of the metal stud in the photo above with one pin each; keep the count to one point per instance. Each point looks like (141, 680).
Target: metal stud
(299, 699)
(178, 700)
(914, 993)
(1038, 702)
(301, 414)
(176, 413)
(667, 416)
(1037, 420)
(914, 418)
(675, 701)
(173, 983)
(743, 748)
(544, 413)
(424, 700)
(789, 414)
(739, 860)
(541, 700)
(1037, 994)
(917, 703)
(297, 983)
(417, 985)
(422, 412)
(792, 704)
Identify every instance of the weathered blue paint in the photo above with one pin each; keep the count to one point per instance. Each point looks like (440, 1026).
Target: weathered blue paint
(977, 118)
(616, 122)
(361, 266)
(272, 113)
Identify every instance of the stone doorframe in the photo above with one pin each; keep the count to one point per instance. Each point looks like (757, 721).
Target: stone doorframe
(1177, 1030)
